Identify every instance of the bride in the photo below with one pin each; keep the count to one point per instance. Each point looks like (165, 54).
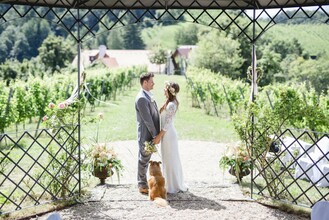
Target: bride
(171, 164)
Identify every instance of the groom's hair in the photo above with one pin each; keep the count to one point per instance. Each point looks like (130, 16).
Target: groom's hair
(145, 77)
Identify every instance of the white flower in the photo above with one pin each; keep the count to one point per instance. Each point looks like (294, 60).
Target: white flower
(172, 91)
(150, 147)
(100, 115)
(170, 88)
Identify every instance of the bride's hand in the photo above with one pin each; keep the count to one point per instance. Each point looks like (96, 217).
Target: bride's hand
(157, 139)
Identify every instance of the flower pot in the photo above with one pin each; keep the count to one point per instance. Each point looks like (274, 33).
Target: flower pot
(102, 173)
(243, 173)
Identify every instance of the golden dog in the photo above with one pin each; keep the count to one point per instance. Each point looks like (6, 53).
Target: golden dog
(156, 182)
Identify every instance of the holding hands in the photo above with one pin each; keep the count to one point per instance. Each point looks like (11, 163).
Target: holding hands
(157, 138)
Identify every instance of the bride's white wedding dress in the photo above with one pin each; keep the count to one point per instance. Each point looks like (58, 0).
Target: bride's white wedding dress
(171, 164)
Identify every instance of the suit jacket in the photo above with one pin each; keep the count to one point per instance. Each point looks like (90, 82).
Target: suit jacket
(148, 119)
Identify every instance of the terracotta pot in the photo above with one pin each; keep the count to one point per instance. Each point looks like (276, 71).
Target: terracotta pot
(102, 173)
(246, 172)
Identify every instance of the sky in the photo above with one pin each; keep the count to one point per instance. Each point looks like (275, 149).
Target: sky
(273, 12)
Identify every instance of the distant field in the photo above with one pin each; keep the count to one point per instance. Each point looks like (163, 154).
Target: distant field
(314, 38)
(164, 35)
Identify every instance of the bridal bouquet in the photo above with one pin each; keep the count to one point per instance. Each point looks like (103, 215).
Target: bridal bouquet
(150, 147)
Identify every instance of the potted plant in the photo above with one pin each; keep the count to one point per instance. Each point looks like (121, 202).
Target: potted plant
(104, 162)
(237, 159)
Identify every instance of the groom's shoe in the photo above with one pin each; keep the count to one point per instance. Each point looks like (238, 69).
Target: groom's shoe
(143, 190)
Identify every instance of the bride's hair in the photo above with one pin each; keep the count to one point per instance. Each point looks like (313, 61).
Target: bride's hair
(172, 89)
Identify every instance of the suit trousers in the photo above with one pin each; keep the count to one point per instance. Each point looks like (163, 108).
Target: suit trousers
(143, 162)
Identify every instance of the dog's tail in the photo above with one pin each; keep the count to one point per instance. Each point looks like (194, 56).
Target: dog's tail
(160, 202)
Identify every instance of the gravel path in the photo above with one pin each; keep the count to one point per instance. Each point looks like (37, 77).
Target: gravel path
(212, 194)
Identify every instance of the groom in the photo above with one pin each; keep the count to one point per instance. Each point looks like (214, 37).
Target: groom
(148, 126)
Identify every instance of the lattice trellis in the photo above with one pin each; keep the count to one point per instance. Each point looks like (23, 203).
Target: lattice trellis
(82, 19)
(288, 178)
(221, 18)
(38, 169)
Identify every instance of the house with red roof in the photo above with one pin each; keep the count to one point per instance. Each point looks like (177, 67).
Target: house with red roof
(180, 58)
(117, 58)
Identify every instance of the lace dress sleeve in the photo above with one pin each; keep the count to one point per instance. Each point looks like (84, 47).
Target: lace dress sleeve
(170, 114)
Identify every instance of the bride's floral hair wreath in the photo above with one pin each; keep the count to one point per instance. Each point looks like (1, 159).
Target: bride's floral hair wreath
(172, 88)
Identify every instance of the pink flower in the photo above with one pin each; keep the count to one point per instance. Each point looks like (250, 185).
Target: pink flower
(51, 105)
(45, 118)
(62, 105)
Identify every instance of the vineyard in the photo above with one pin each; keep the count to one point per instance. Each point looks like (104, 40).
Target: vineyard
(213, 92)
(26, 102)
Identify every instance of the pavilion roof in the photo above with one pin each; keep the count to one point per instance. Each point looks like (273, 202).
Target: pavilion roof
(173, 4)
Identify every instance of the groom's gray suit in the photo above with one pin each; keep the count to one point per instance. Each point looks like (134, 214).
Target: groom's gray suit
(148, 126)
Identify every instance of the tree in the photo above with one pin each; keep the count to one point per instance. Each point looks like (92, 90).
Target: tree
(219, 54)
(245, 48)
(158, 56)
(132, 36)
(3, 50)
(12, 70)
(187, 35)
(21, 41)
(8, 71)
(114, 40)
(35, 31)
(103, 32)
(7, 42)
(275, 56)
(313, 72)
(20, 49)
(167, 17)
(270, 65)
(284, 47)
(55, 53)
(300, 17)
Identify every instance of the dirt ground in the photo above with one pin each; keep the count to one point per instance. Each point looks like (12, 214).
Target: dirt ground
(212, 194)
